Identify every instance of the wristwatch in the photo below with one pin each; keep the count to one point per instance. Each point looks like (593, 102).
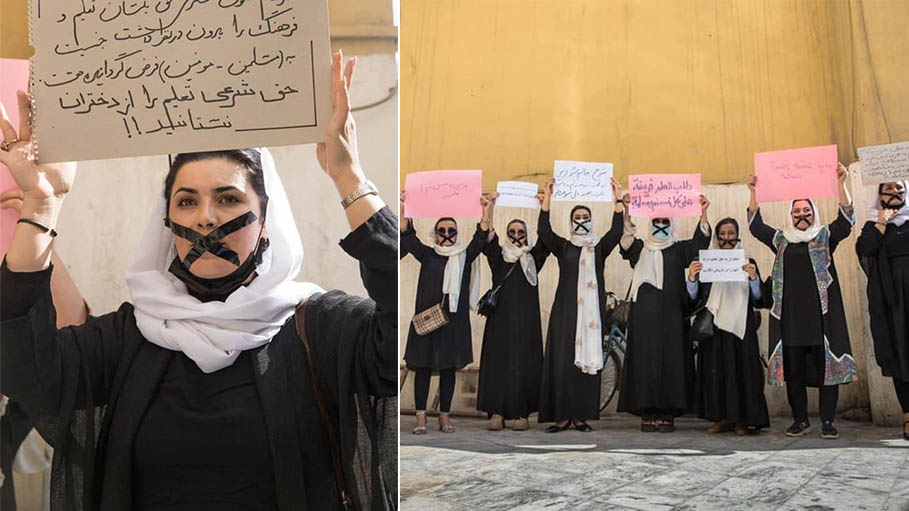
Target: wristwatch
(367, 188)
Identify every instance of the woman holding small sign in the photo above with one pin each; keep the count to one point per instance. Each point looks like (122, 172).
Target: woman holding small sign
(512, 358)
(658, 377)
(809, 341)
(883, 248)
(570, 393)
(224, 383)
(439, 339)
(729, 387)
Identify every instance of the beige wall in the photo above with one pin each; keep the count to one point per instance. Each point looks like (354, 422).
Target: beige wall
(726, 200)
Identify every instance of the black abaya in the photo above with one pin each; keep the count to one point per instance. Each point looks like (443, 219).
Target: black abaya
(658, 373)
(566, 392)
(512, 357)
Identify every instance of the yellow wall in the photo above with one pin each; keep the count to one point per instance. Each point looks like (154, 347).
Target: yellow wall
(508, 86)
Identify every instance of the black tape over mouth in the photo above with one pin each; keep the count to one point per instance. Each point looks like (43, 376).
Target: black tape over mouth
(800, 219)
(661, 229)
(581, 225)
(212, 242)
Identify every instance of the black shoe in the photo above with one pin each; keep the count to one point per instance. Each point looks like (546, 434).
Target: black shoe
(666, 425)
(798, 428)
(583, 427)
(555, 428)
(648, 425)
(828, 431)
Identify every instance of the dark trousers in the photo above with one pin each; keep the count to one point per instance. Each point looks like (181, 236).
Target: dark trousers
(446, 388)
(902, 393)
(795, 358)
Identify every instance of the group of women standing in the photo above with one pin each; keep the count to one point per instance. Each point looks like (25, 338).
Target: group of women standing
(662, 378)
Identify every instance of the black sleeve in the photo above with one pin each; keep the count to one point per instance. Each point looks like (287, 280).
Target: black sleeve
(411, 244)
(47, 369)
(553, 241)
(699, 241)
(869, 241)
(633, 253)
(493, 252)
(841, 227)
(763, 232)
(477, 244)
(355, 335)
(540, 253)
(613, 235)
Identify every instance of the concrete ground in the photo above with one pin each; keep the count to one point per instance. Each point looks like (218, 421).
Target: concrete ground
(618, 467)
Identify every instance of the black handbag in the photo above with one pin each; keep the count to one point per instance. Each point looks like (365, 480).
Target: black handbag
(490, 299)
(702, 326)
(620, 313)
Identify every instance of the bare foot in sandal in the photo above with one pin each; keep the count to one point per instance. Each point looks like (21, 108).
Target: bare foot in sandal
(420, 428)
(445, 423)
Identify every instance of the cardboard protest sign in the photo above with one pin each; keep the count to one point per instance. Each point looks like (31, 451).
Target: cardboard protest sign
(517, 194)
(439, 193)
(884, 163)
(665, 195)
(116, 78)
(809, 172)
(579, 181)
(722, 265)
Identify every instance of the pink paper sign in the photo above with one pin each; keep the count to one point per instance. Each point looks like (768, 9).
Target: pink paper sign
(809, 172)
(438, 193)
(665, 195)
(13, 77)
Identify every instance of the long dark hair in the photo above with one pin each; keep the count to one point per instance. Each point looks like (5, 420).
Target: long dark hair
(251, 159)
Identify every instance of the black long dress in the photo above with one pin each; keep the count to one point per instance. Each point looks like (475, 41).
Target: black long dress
(449, 347)
(730, 374)
(658, 373)
(14, 428)
(887, 256)
(566, 392)
(512, 357)
(89, 388)
(797, 317)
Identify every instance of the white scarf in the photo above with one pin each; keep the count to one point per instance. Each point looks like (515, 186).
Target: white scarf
(649, 268)
(512, 253)
(728, 302)
(899, 218)
(214, 333)
(794, 235)
(588, 346)
(454, 271)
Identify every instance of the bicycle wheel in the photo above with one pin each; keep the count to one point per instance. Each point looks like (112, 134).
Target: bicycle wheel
(609, 379)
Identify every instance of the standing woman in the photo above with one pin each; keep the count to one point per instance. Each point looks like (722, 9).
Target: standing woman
(512, 358)
(729, 386)
(809, 340)
(658, 374)
(570, 391)
(884, 247)
(447, 277)
(199, 394)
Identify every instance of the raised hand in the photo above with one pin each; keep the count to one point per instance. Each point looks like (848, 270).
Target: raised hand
(547, 194)
(841, 173)
(694, 269)
(337, 154)
(751, 270)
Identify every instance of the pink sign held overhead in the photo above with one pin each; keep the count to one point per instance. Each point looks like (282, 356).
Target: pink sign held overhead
(438, 193)
(13, 77)
(665, 195)
(806, 173)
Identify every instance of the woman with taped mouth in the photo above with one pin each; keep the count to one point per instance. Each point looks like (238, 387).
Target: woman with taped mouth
(199, 394)
(729, 387)
(883, 249)
(570, 391)
(658, 373)
(449, 280)
(809, 342)
(512, 358)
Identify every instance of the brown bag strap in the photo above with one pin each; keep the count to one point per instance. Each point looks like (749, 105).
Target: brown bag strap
(299, 319)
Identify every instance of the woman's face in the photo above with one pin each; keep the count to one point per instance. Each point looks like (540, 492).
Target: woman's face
(446, 233)
(727, 236)
(580, 222)
(207, 194)
(661, 228)
(893, 195)
(802, 215)
(517, 234)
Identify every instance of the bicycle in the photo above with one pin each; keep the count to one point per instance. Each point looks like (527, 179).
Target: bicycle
(613, 354)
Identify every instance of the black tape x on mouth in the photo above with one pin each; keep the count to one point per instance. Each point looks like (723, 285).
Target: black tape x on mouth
(800, 219)
(447, 235)
(212, 242)
(661, 229)
(581, 225)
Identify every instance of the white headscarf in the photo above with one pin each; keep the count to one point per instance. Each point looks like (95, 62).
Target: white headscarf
(454, 272)
(214, 333)
(588, 345)
(728, 301)
(794, 235)
(899, 218)
(650, 263)
(512, 253)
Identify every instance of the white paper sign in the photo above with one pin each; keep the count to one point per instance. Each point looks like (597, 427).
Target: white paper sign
(115, 78)
(884, 163)
(579, 181)
(517, 194)
(722, 265)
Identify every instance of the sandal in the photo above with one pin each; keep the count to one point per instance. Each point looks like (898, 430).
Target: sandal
(583, 427)
(665, 425)
(718, 427)
(420, 430)
(447, 427)
(648, 425)
(555, 428)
